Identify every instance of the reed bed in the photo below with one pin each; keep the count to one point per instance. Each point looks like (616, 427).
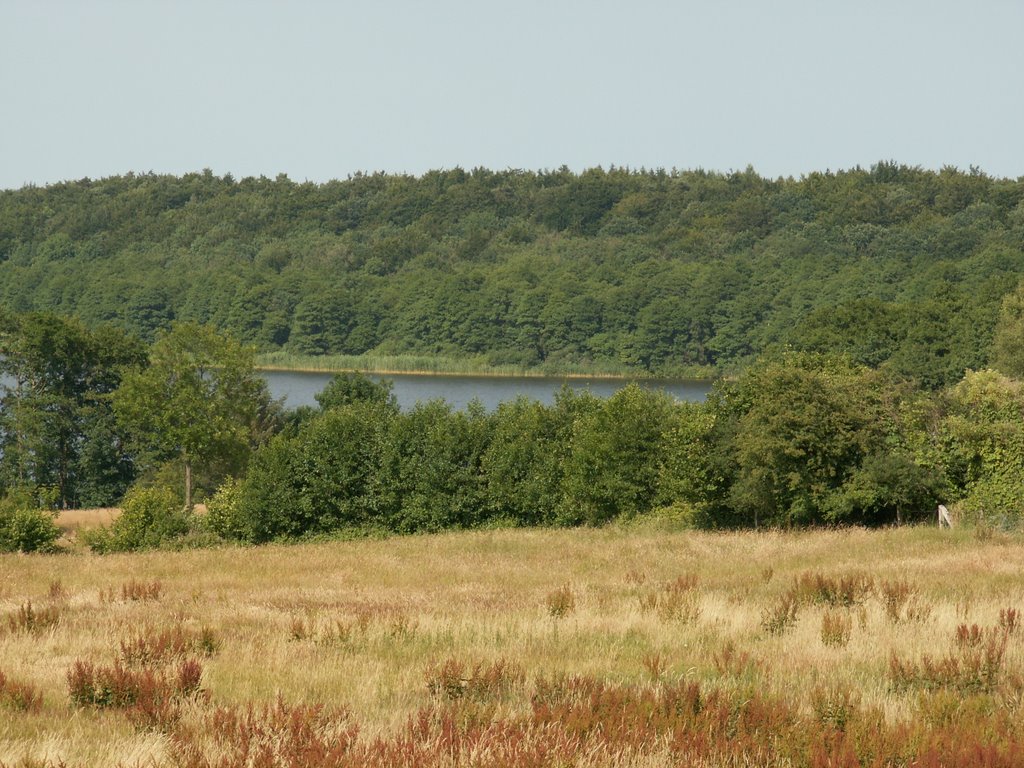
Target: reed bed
(469, 366)
(608, 647)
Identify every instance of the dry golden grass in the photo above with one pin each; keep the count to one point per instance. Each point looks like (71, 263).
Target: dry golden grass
(362, 625)
(72, 520)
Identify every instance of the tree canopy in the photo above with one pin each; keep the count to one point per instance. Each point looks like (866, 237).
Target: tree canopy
(198, 401)
(653, 271)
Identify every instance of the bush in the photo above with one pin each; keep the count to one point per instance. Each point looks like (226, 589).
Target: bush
(150, 518)
(616, 456)
(24, 529)
(223, 512)
(996, 501)
(315, 482)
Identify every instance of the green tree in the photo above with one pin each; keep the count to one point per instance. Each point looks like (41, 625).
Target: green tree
(983, 433)
(320, 480)
(888, 487)
(524, 463)
(354, 387)
(55, 406)
(199, 401)
(616, 455)
(693, 471)
(430, 477)
(805, 424)
(1007, 353)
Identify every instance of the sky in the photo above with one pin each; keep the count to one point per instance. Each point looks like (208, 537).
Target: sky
(320, 90)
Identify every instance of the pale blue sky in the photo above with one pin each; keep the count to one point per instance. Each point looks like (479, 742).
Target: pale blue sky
(319, 90)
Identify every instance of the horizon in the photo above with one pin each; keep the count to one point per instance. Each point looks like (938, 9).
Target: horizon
(671, 172)
(319, 91)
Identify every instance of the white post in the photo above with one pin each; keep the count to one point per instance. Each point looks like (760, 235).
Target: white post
(944, 518)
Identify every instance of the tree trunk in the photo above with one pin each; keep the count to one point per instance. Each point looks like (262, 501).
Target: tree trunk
(188, 485)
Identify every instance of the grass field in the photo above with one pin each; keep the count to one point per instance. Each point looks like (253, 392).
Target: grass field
(618, 646)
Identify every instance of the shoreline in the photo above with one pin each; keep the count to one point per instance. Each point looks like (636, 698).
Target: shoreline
(279, 368)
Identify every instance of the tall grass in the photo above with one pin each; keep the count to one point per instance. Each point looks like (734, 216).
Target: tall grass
(470, 366)
(617, 646)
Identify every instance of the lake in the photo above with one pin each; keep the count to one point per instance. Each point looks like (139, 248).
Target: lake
(299, 387)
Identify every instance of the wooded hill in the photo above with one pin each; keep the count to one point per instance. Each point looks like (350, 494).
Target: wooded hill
(653, 271)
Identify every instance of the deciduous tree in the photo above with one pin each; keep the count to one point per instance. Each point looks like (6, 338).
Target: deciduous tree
(200, 400)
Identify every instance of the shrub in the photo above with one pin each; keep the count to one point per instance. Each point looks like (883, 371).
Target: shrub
(223, 511)
(150, 518)
(25, 529)
(994, 502)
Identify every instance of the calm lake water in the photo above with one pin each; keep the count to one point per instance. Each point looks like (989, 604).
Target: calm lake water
(299, 388)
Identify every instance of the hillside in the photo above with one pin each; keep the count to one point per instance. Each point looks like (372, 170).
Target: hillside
(663, 272)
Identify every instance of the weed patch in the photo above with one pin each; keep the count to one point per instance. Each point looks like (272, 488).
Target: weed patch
(28, 618)
(781, 615)
(150, 698)
(19, 696)
(154, 647)
(560, 602)
(836, 627)
(902, 602)
(452, 679)
(974, 665)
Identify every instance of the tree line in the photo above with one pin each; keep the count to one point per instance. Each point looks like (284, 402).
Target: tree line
(94, 417)
(649, 271)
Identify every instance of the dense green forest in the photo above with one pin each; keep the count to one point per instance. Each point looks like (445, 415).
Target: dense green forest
(649, 271)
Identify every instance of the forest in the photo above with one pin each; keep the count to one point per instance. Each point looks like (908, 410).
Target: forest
(639, 271)
(798, 439)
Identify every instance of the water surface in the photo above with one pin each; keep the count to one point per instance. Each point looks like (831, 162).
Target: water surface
(299, 387)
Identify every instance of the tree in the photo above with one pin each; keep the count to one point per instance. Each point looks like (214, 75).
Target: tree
(354, 387)
(983, 432)
(55, 416)
(616, 455)
(523, 464)
(887, 487)
(1008, 344)
(316, 481)
(430, 476)
(793, 431)
(200, 401)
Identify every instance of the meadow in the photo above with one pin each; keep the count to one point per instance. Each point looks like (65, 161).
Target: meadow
(624, 645)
